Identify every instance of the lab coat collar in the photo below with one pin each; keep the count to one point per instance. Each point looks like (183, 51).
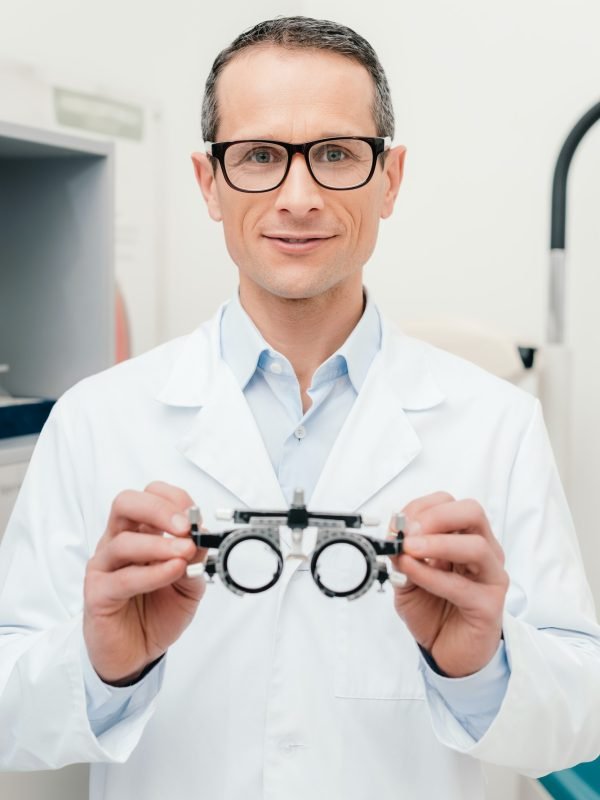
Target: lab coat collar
(376, 442)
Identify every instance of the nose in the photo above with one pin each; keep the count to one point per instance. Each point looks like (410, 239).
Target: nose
(299, 193)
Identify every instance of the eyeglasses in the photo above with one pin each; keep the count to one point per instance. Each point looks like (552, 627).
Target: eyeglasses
(344, 561)
(261, 165)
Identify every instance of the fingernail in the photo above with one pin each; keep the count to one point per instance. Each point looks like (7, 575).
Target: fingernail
(413, 528)
(180, 523)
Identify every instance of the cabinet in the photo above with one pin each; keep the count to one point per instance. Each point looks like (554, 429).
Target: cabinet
(56, 273)
(56, 310)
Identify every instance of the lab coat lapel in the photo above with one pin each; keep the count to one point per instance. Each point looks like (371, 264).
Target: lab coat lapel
(377, 441)
(225, 442)
(223, 439)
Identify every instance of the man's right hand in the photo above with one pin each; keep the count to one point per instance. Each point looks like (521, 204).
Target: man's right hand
(137, 598)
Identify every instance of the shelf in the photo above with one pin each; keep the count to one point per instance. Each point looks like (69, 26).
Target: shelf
(56, 260)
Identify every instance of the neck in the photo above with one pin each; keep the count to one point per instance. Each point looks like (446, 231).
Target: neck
(307, 330)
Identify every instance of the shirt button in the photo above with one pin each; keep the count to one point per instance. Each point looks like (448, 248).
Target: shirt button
(276, 368)
(300, 432)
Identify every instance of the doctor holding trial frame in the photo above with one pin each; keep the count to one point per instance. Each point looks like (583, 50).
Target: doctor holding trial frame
(171, 687)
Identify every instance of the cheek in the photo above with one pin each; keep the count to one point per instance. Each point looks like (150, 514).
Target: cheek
(365, 219)
(238, 224)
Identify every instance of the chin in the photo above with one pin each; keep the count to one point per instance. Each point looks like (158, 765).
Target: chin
(299, 288)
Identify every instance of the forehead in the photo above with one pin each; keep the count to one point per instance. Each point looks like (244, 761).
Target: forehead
(295, 95)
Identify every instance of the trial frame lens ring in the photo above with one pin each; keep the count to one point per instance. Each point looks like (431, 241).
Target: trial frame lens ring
(266, 537)
(360, 543)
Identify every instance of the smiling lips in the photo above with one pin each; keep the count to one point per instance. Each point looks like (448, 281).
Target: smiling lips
(297, 244)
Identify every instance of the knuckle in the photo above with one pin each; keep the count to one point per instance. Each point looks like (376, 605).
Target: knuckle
(444, 497)
(479, 547)
(471, 506)
(91, 586)
(122, 500)
(157, 510)
(179, 497)
(156, 486)
(121, 544)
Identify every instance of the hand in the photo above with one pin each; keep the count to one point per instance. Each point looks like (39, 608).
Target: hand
(454, 597)
(137, 598)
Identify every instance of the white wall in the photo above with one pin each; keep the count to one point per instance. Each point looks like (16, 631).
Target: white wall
(484, 95)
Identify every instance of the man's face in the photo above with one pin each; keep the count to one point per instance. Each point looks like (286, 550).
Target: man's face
(298, 96)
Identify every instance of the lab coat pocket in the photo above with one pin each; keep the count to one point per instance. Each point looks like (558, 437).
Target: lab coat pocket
(376, 656)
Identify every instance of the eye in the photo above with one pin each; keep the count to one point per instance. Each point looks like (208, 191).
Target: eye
(263, 155)
(331, 153)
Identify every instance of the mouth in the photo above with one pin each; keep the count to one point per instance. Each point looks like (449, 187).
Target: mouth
(297, 244)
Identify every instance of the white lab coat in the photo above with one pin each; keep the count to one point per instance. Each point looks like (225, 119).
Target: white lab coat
(288, 694)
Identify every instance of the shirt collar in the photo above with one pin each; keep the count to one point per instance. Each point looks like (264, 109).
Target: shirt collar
(244, 349)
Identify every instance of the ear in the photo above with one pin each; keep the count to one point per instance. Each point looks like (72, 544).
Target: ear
(205, 176)
(393, 172)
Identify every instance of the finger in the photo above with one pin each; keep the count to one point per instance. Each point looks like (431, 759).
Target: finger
(179, 497)
(421, 504)
(135, 580)
(466, 516)
(464, 593)
(472, 552)
(132, 508)
(141, 548)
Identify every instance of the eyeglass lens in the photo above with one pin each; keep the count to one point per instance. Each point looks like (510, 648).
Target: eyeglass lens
(341, 567)
(336, 164)
(252, 564)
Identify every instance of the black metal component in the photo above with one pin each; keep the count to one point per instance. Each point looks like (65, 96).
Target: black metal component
(210, 569)
(382, 576)
(244, 516)
(527, 356)
(561, 171)
(298, 517)
(298, 514)
(388, 547)
(203, 539)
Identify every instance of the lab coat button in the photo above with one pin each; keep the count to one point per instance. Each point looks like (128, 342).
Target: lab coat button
(300, 432)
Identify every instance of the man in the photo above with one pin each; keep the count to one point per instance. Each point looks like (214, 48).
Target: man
(173, 688)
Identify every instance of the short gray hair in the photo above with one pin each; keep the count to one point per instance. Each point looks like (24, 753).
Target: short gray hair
(298, 33)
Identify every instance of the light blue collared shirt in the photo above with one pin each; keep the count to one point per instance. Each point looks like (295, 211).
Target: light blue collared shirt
(298, 444)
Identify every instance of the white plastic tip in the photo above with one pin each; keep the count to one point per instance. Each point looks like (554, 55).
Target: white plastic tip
(194, 515)
(398, 522)
(224, 513)
(298, 499)
(397, 579)
(195, 570)
(370, 522)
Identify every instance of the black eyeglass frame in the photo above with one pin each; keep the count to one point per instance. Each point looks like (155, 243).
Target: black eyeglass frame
(378, 145)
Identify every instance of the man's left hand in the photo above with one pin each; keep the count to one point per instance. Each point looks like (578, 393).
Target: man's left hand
(454, 596)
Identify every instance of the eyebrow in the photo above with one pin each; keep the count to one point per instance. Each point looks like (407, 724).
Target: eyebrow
(324, 135)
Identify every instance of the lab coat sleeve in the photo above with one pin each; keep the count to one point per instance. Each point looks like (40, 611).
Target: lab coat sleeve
(475, 699)
(107, 705)
(43, 557)
(548, 719)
